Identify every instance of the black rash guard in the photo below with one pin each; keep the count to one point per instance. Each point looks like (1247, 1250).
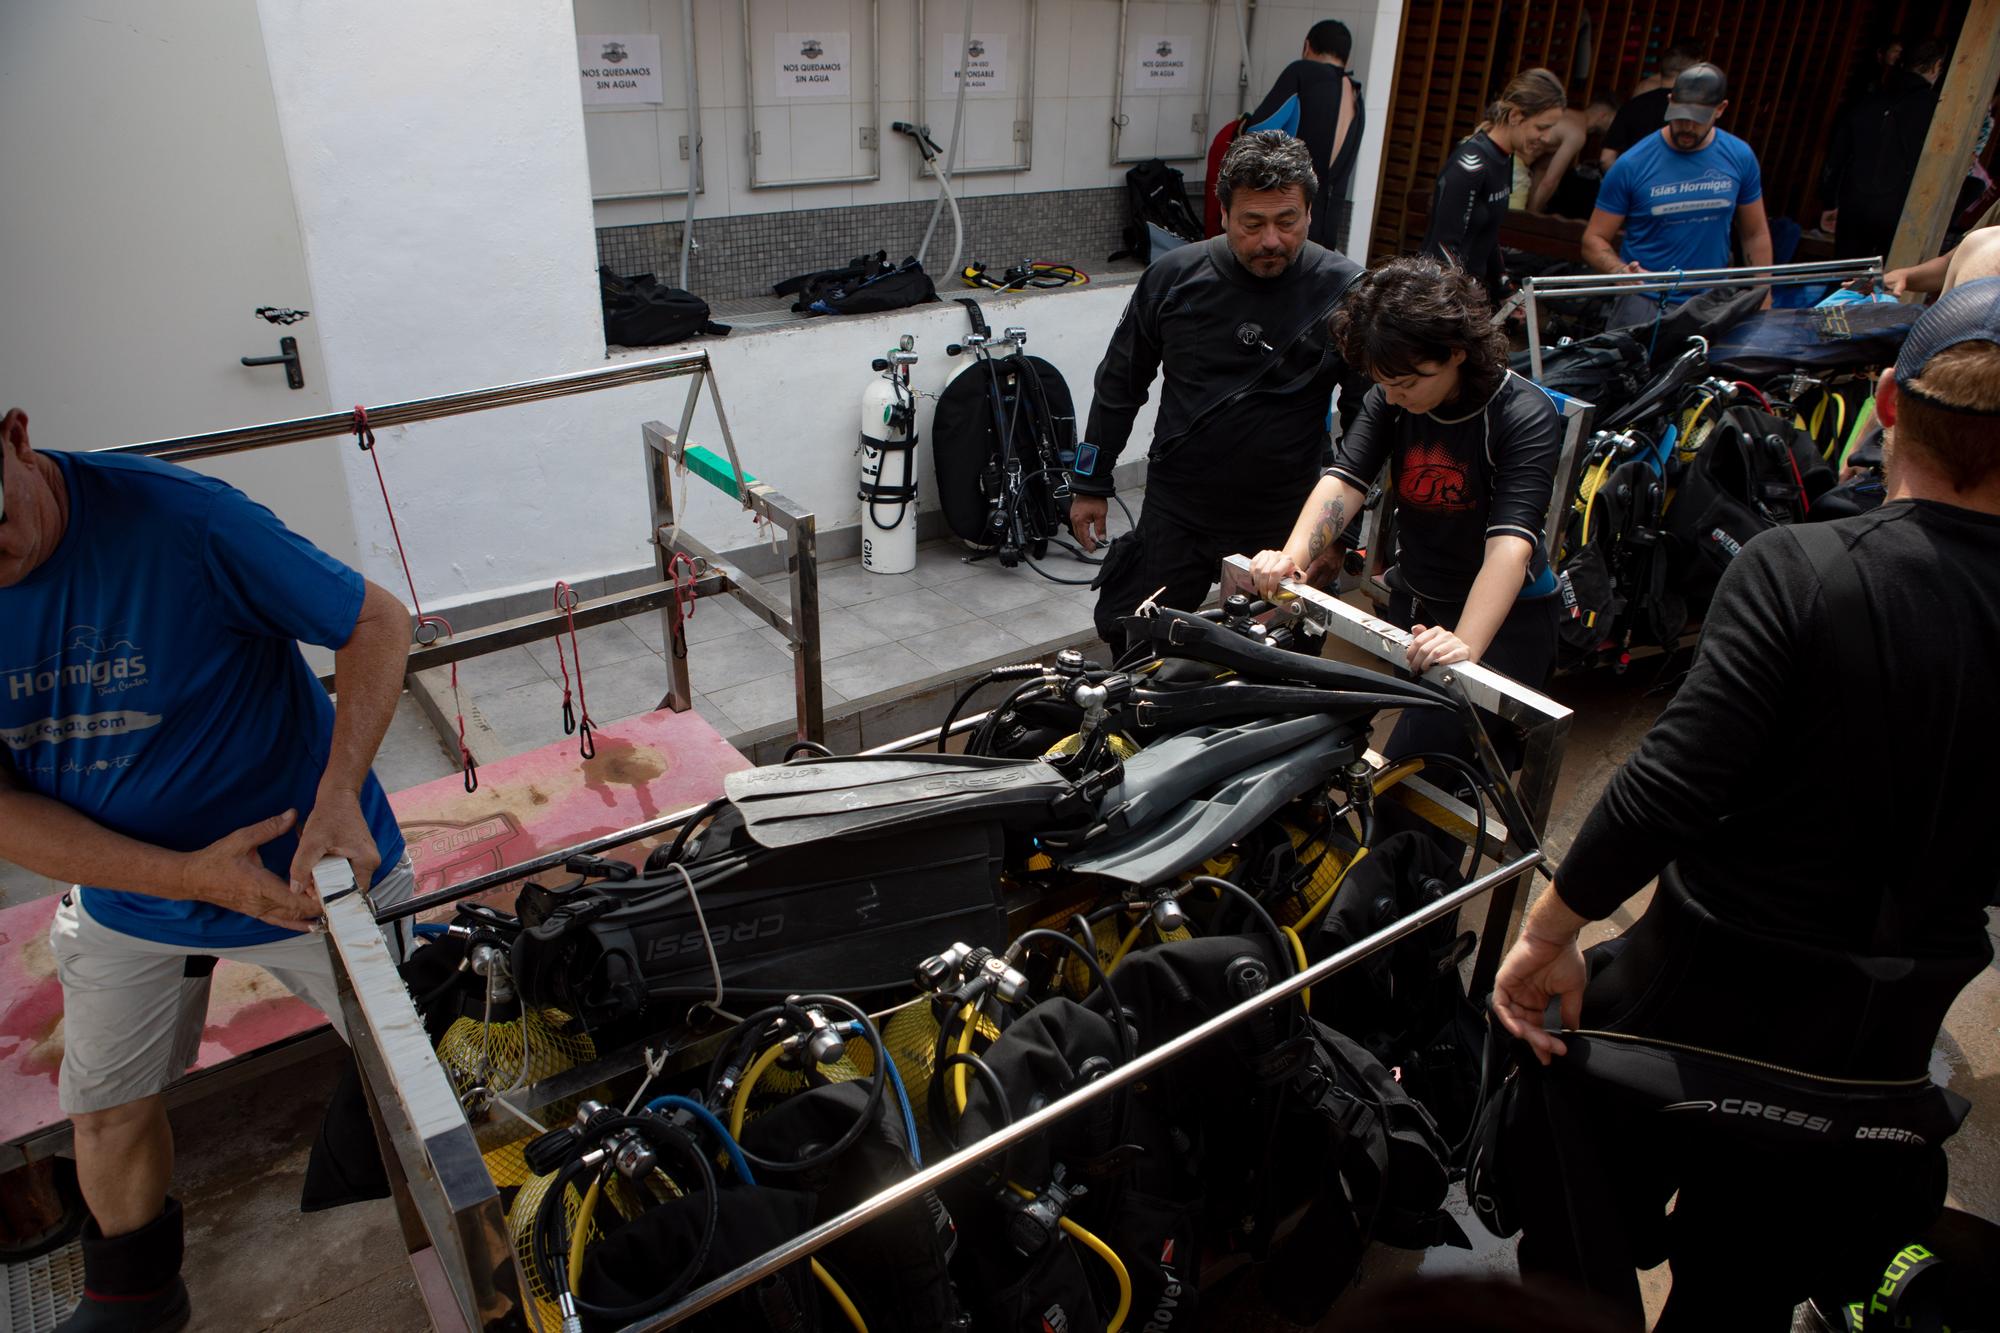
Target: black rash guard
(1756, 778)
(1238, 441)
(1457, 480)
(1319, 87)
(1471, 198)
(1779, 806)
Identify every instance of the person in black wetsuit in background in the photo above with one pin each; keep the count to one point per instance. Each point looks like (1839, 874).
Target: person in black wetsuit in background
(1472, 189)
(1877, 142)
(1331, 118)
(1238, 325)
(1787, 927)
(1471, 453)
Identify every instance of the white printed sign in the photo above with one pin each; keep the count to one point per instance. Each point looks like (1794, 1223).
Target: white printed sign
(986, 69)
(1161, 65)
(812, 64)
(619, 68)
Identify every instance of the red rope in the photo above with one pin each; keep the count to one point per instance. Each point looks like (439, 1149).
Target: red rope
(364, 435)
(684, 598)
(565, 602)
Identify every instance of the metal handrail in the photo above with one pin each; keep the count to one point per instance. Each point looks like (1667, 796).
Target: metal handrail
(1568, 286)
(912, 1186)
(240, 439)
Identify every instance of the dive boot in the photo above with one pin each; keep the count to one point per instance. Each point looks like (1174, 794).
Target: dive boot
(132, 1283)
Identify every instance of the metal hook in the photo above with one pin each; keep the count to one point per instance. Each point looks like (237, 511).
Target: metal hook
(588, 745)
(569, 717)
(471, 770)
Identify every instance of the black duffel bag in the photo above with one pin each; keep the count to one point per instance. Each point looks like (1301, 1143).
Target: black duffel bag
(639, 312)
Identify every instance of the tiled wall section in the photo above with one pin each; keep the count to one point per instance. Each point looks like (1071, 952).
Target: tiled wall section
(743, 256)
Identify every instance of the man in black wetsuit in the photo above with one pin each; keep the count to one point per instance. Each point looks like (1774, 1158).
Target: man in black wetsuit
(1238, 324)
(1331, 118)
(1813, 802)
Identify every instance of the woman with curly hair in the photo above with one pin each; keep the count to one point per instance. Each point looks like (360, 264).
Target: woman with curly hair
(1471, 451)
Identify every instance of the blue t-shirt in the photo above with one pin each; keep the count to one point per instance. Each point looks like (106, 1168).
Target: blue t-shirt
(1680, 208)
(151, 678)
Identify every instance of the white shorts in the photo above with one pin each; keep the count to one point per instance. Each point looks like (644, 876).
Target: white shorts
(133, 1014)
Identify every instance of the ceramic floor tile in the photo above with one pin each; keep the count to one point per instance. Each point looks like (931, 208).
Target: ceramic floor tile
(855, 586)
(526, 717)
(962, 645)
(490, 673)
(625, 688)
(712, 619)
(875, 669)
(1047, 622)
(735, 659)
(939, 563)
(762, 702)
(411, 755)
(840, 632)
(990, 592)
(912, 613)
(725, 725)
(601, 645)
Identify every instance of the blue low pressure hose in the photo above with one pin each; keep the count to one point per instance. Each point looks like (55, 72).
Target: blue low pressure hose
(903, 1100)
(715, 1126)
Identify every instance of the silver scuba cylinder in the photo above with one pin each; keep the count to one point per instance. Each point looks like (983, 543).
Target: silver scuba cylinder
(889, 465)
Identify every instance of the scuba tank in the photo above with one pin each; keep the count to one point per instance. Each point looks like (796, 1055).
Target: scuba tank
(889, 465)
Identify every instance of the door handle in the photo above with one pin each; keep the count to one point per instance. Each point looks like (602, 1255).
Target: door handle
(288, 357)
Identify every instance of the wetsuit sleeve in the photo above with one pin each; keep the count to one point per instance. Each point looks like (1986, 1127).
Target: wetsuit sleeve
(1286, 86)
(1451, 211)
(1124, 378)
(1364, 446)
(1525, 449)
(1738, 703)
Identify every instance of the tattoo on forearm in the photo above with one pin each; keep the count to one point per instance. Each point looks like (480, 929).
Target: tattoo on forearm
(1332, 522)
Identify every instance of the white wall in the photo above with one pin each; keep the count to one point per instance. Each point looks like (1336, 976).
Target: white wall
(439, 159)
(1076, 65)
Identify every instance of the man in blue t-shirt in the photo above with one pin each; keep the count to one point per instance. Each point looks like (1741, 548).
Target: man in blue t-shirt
(165, 748)
(1676, 193)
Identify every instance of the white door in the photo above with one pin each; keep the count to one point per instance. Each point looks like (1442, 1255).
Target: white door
(146, 214)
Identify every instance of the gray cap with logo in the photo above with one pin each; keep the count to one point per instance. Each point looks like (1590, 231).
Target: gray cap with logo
(1698, 94)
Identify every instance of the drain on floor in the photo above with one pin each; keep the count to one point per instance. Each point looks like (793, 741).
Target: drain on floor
(42, 1291)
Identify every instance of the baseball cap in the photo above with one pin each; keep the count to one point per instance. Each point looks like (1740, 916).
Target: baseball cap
(1698, 94)
(1968, 313)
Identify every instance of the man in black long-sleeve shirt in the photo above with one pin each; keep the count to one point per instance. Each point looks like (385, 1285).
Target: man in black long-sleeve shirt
(1823, 867)
(1238, 323)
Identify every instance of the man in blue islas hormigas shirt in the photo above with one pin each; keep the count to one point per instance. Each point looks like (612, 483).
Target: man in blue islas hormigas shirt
(1678, 194)
(165, 749)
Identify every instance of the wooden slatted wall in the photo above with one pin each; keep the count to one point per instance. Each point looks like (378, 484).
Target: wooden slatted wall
(1788, 61)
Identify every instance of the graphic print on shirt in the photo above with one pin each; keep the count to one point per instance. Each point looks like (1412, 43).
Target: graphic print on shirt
(1712, 191)
(1431, 477)
(106, 665)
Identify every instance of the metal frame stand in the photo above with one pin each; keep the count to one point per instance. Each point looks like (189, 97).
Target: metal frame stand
(1544, 721)
(444, 1193)
(665, 451)
(1570, 287)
